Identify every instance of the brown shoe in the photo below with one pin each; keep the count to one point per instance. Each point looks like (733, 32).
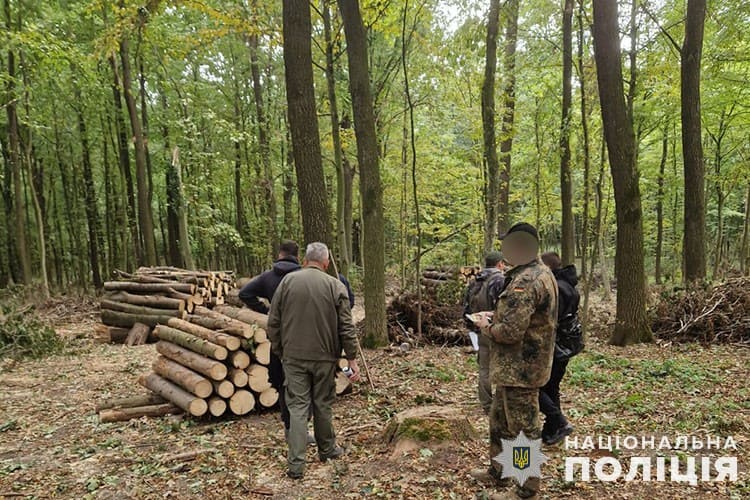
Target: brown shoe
(505, 495)
(490, 478)
(529, 489)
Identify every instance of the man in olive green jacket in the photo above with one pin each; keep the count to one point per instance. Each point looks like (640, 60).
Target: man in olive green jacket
(309, 323)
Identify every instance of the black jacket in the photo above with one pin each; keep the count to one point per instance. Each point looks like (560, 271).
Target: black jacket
(569, 297)
(264, 285)
(495, 281)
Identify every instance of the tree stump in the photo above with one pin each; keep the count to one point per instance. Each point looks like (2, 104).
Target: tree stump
(427, 426)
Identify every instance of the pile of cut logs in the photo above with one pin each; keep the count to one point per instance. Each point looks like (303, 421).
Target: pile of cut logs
(212, 362)
(438, 276)
(132, 306)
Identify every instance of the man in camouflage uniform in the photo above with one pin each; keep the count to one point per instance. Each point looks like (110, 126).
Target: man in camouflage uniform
(522, 340)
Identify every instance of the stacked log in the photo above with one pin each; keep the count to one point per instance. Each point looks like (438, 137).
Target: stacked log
(436, 276)
(153, 295)
(209, 364)
(215, 362)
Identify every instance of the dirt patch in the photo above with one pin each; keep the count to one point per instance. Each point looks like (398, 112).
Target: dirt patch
(52, 445)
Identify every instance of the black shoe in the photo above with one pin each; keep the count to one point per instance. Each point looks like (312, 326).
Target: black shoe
(295, 475)
(558, 435)
(336, 453)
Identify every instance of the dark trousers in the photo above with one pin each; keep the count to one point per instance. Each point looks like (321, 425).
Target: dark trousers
(549, 399)
(277, 378)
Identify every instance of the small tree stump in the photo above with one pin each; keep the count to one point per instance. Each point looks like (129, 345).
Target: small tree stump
(427, 426)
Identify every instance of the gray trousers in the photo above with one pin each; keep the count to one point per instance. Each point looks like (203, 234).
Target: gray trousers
(485, 386)
(309, 384)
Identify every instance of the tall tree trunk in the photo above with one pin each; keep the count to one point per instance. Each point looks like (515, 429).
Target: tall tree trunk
(186, 253)
(566, 182)
(349, 172)
(586, 162)
(633, 57)
(415, 193)
(718, 139)
(660, 205)
(75, 259)
(5, 258)
(8, 223)
(343, 260)
(38, 212)
(371, 189)
(632, 323)
(509, 111)
(289, 224)
(145, 213)
(488, 127)
(14, 155)
(403, 206)
(264, 146)
(124, 162)
(92, 214)
(172, 188)
(538, 162)
(144, 119)
(694, 235)
(303, 121)
(110, 209)
(745, 246)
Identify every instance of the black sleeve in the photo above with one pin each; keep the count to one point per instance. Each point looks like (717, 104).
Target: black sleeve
(496, 288)
(348, 289)
(250, 293)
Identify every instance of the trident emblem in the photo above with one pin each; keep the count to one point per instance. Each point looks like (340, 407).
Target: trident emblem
(520, 457)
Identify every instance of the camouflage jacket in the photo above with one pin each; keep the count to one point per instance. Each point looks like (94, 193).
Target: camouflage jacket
(523, 328)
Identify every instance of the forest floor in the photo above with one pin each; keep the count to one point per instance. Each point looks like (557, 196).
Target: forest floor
(51, 444)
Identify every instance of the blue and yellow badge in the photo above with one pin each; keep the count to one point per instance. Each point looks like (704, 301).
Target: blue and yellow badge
(521, 457)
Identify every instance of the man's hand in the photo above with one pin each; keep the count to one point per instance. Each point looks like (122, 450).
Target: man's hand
(355, 369)
(484, 319)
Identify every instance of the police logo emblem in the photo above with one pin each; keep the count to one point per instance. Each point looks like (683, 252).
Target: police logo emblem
(521, 458)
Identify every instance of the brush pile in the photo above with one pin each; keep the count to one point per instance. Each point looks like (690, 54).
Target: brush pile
(442, 309)
(709, 315)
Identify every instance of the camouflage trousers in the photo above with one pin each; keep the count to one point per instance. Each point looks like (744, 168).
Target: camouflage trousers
(514, 409)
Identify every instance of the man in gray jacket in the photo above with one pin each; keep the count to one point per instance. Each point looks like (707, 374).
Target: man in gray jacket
(309, 323)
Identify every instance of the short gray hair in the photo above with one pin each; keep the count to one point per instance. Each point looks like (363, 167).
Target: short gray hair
(316, 252)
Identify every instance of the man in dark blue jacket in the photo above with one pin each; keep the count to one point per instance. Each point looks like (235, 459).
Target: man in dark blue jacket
(264, 286)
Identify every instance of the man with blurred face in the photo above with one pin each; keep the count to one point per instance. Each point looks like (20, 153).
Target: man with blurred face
(522, 340)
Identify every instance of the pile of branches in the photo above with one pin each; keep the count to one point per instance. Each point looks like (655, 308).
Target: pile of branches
(441, 321)
(24, 334)
(710, 315)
